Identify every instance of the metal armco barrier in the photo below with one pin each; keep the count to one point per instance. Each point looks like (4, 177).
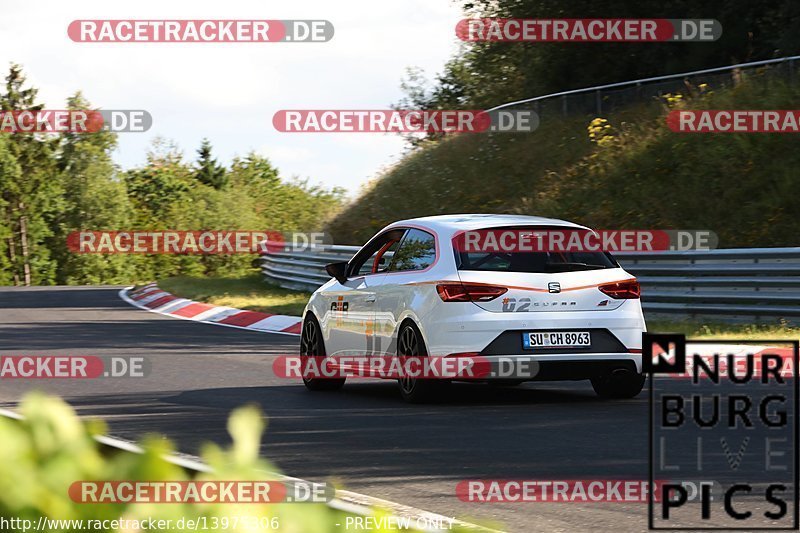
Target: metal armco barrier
(602, 99)
(303, 270)
(747, 282)
(727, 284)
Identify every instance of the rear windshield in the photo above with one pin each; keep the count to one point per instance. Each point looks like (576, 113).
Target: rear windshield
(534, 262)
(538, 262)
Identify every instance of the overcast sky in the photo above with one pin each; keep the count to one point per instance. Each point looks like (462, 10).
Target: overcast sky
(229, 92)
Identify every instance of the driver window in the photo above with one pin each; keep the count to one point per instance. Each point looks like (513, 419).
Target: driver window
(377, 257)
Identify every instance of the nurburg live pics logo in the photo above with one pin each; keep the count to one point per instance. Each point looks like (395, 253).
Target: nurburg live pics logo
(731, 430)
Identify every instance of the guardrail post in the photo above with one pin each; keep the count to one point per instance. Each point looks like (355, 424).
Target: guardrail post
(598, 102)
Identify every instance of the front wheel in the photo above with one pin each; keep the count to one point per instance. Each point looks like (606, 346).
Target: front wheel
(312, 345)
(412, 389)
(624, 385)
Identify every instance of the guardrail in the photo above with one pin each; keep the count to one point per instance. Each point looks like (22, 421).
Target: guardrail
(303, 271)
(728, 284)
(602, 99)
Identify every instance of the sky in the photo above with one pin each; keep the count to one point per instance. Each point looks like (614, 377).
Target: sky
(228, 92)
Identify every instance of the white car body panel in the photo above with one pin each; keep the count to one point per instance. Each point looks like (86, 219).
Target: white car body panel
(376, 304)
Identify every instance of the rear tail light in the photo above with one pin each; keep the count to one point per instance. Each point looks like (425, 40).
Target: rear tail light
(468, 292)
(622, 290)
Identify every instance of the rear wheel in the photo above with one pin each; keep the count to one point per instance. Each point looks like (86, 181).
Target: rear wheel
(415, 390)
(622, 385)
(312, 345)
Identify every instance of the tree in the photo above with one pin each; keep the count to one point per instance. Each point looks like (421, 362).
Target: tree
(282, 205)
(156, 188)
(484, 74)
(209, 171)
(32, 200)
(95, 198)
(54, 184)
(9, 175)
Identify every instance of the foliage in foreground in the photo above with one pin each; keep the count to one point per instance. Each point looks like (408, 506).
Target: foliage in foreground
(51, 448)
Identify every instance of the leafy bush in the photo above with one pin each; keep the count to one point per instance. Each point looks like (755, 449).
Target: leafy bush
(51, 449)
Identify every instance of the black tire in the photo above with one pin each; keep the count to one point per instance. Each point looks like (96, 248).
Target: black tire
(415, 390)
(618, 386)
(312, 345)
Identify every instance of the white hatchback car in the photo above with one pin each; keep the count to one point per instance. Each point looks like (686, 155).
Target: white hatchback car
(410, 291)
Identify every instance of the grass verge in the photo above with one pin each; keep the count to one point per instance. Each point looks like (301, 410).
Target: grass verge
(251, 293)
(721, 331)
(254, 294)
(633, 173)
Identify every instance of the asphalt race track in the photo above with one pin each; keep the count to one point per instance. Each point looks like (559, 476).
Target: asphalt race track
(364, 437)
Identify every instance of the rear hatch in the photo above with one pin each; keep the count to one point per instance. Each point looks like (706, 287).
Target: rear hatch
(542, 280)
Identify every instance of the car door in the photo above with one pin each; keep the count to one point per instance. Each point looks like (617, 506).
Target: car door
(350, 314)
(395, 292)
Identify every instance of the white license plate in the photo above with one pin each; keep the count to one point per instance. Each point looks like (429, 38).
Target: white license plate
(557, 339)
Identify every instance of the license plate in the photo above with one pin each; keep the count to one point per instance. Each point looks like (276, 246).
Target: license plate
(556, 339)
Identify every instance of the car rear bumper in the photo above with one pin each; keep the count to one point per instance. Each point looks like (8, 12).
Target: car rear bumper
(473, 331)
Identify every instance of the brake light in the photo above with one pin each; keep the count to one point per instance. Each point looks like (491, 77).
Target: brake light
(469, 292)
(622, 290)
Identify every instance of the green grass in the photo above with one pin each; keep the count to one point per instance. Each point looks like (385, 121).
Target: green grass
(713, 331)
(250, 292)
(741, 186)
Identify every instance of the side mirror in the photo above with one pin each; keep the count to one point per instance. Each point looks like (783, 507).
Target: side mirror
(337, 270)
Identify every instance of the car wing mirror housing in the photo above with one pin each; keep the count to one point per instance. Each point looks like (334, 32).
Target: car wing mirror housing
(337, 270)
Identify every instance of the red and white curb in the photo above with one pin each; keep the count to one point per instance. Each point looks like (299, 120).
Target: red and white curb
(152, 298)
